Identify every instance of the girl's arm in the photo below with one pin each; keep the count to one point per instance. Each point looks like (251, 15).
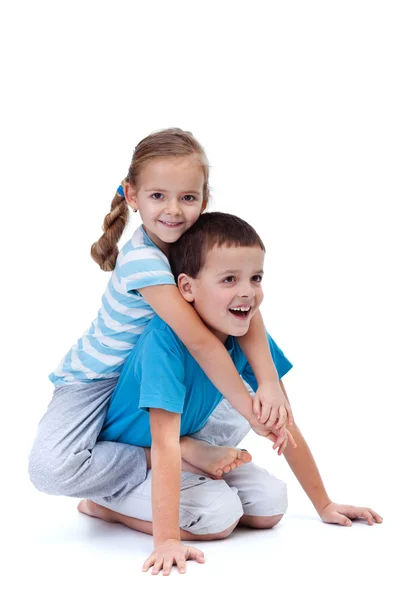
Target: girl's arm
(165, 493)
(204, 346)
(269, 402)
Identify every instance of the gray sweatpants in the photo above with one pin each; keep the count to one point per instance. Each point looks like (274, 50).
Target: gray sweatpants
(66, 458)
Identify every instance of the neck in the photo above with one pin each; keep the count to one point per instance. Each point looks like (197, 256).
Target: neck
(164, 246)
(218, 334)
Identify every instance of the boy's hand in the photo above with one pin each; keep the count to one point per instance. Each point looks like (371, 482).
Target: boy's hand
(343, 513)
(169, 553)
(280, 437)
(270, 405)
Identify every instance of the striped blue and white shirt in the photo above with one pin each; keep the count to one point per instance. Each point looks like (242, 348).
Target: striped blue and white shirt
(101, 351)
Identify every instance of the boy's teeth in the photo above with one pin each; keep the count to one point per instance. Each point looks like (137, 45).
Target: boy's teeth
(241, 309)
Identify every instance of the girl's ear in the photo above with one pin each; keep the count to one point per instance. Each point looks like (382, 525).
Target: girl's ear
(185, 285)
(130, 196)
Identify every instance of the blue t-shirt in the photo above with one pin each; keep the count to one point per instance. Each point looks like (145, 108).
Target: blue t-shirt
(161, 373)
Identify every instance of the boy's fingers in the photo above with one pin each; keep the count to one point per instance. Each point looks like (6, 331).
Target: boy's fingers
(338, 518)
(282, 447)
(167, 567)
(157, 566)
(276, 444)
(291, 439)
(148, 563)
(367, 516)
(279, 440)
(181, 564)
(377, 517)
(194, 554)
(281, 417)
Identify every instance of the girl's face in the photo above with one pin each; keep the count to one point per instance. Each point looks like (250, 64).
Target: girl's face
(169, 197)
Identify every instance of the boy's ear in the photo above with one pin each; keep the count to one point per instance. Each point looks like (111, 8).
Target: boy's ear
(130, 196)
(185, 284)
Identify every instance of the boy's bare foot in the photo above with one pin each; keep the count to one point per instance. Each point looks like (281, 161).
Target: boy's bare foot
(212, 460)
(87, 507)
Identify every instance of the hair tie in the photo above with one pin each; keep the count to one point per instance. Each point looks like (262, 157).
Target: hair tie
(120, 191)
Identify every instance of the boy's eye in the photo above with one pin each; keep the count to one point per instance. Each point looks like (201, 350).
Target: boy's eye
(157, 195)
(257, 278)
(189, 198)
(229, 279)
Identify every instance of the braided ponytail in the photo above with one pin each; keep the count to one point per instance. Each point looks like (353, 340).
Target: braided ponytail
(105, 251)
(173, 142)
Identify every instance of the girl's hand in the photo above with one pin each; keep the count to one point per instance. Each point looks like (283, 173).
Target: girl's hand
(270, 405)
(343, 513)
(280, 437)
(169, 553)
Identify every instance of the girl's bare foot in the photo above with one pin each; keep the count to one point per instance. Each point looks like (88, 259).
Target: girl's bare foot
(87, 507)
(212, 460)
(192, 469)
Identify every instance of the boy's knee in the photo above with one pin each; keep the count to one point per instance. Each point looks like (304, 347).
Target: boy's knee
(226, 532)
(214, 512)
(263, 522)
(270, 497)
(279, 496)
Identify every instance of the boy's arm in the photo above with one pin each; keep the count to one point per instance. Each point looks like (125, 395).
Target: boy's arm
(303, 465)
(204, 346)
(166, 476)
(166, 486)
(269, 403)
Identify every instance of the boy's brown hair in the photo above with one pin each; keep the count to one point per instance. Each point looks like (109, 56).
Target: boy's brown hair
(188, 254)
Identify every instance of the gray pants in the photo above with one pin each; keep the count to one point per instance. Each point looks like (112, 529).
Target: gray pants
(66, 458)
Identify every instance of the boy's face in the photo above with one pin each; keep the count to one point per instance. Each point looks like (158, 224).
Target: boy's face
(227, 291)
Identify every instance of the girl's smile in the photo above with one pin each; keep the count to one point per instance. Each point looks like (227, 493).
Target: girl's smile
(169, 197)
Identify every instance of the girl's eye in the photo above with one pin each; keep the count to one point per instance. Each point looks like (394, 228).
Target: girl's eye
(257, 278)
(189, 198)
(229, 279)
(157, 195)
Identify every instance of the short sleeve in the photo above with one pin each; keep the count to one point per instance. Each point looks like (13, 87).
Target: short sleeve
(145, 266)
(282, 364)
(160, 372)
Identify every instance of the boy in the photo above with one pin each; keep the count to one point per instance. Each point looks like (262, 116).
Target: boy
(218, 264)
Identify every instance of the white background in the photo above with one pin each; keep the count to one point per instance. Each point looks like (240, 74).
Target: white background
(297, 106)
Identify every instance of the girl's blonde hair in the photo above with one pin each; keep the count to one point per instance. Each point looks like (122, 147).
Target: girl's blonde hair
(165, 143)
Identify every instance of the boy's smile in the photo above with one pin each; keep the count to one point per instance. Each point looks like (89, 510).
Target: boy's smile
(227, 291)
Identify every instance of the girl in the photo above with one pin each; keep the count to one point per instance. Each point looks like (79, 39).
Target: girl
(168, 183)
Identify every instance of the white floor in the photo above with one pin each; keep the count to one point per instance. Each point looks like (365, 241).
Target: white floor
(54, 552)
